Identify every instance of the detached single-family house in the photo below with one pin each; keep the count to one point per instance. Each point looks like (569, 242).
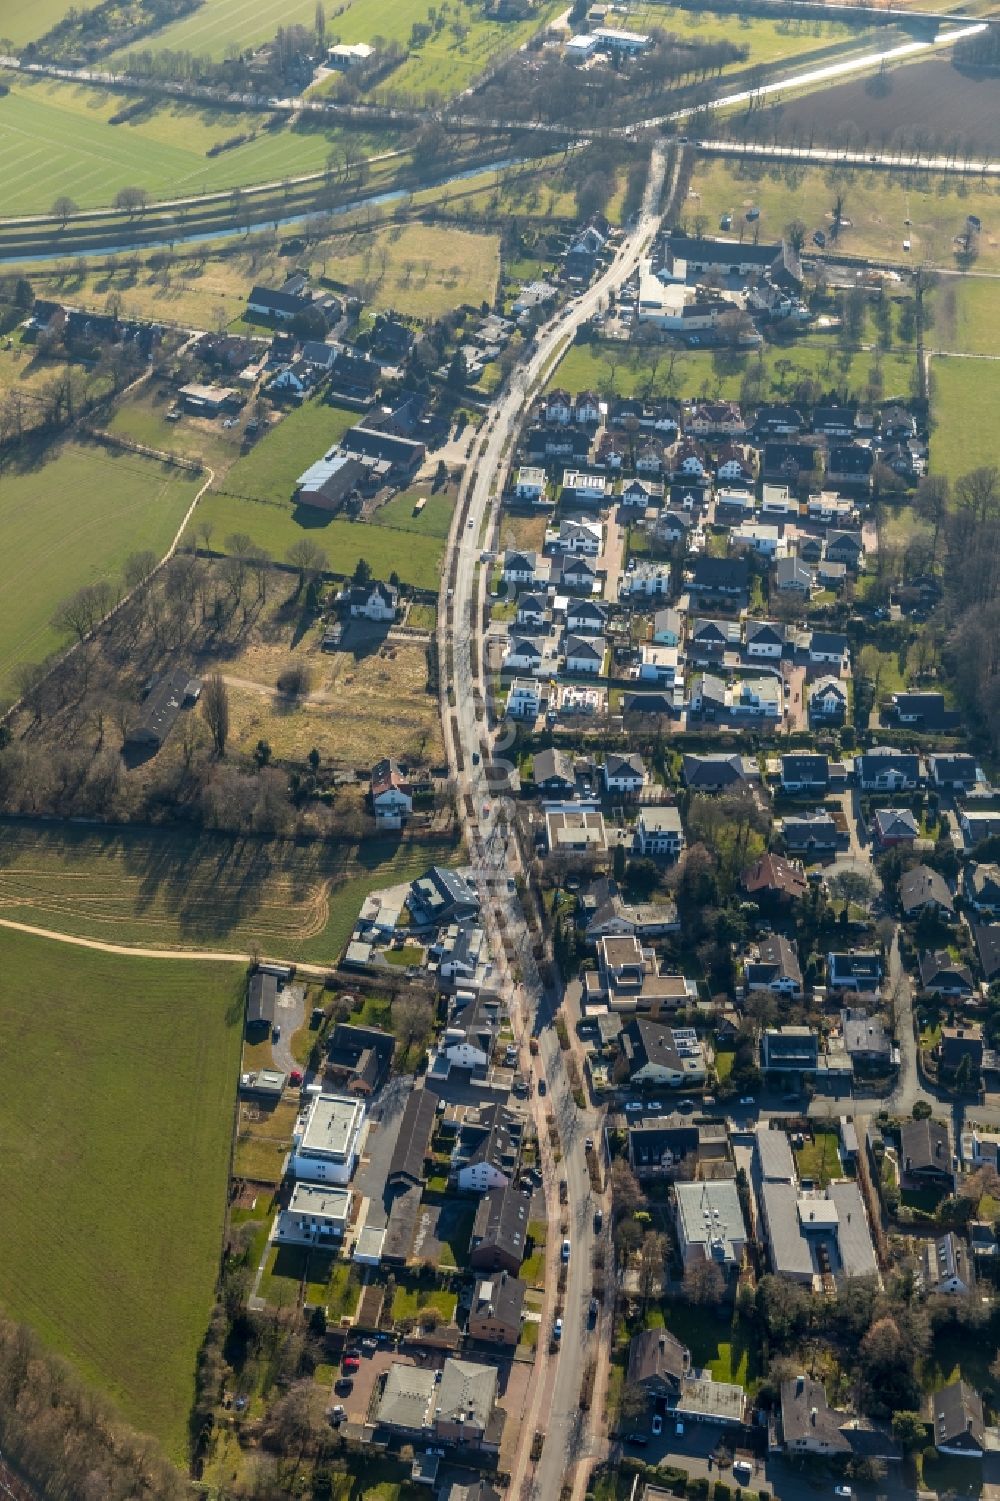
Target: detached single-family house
(850, 465)
(530, 484)
(940, 974)
(829, 648)
(719, 773)
(658, 831)
(765, 639)
(792, 576)
(925, 1155)
(827, 701)
(716, 419)
(925, 890)
(586, 617)
(719, 578)
(958, 1421)
(805, 771)
(885, 769)
(647, 580)
(773, 965)
(391, 794)
(580, 537)
(845, 547)
(981, 888)
(375, 601)
(585, 654)
(519, 567)
(624, 773)
(553, 773)
(496, 1309)
(657, 1054)
(859, 970)
(532, 609)
(667, 627)
(894, 826)
(771, 877)
(524, 700)
(954, 773)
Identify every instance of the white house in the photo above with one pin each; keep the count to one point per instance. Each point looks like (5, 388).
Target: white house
(658, 832)
(392, 799)
(580, 485)
(530, 484)
(829, 648)
(778, 502)
(687, 460)
(586, 616)
(524, 699)
(559, 407)
(316, 1216)
(641, 493)
(520, 567)
(762, 538)
(375, 601)
(326, 1139)
(647, 580)
(828, 699)
(523, 655)
(583, 538)
(531, 610)
(588, 408)
(765, 638)
(585, 654)
(660, 665)
(667, 627)
(624, 773)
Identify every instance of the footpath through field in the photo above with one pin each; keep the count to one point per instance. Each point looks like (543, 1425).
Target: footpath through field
(209, 956)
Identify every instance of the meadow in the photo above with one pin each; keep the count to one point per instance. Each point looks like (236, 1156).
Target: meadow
(769, 41)
(26, 20)
(55, 138)
(720, 375)
(420, 270)
(70, 520)
(884, 208)
(965, 395)
(158, 888)
(965, 316)
(270, 469)
(114, 1173)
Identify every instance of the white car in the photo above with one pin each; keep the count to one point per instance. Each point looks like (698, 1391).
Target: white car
(557, 1329)
(747, 1099)
(842, 1490)
(565, 1250)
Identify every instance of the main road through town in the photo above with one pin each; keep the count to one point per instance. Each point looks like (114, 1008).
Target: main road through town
(554, 1403)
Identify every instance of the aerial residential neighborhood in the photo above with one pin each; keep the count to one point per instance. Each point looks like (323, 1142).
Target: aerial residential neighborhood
(499, 751)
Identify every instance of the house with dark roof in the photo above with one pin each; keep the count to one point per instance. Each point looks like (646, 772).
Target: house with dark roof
(161, 708)
(850, 466)
(790, 1049)
(829, 648)
(776, 879)
(924, 711)
(765, 639)
(892, 827)
(809, 1425)
(496, 1309)
(940, 974)
(924, 890)
(719, 773)
(658, 1147)
(814, 834)
(500, 1231)
(866, 1041)
(961, 1042)
(262, 995)
(657, 1054)
(553, 773)
(791, 464)
(987, 936)
(358, 1059)
(958, 1420)
(413, 1140)
(719, 578)
(925, 1155)
(280, 304)
(827, 701)
(981, 888)
(442, 896)
(773, 965)
(845, 547)
(805, 772)
(657, 1362)
(954, 773)
(624, 772)
(857, 970)
(885, 769)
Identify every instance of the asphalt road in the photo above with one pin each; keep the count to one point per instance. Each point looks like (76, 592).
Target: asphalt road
(556, 1410)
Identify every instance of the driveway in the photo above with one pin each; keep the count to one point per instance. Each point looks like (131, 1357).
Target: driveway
(289, 1014)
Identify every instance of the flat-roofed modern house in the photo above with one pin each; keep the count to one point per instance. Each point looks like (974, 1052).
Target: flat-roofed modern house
(326, 1140)
(316, 1216)
(710, 1224)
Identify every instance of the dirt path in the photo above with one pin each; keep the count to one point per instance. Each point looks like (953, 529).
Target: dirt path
(206, 956)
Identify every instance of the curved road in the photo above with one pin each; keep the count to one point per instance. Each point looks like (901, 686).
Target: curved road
(556, 1388)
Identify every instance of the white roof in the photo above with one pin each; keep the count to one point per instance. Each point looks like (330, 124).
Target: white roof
(333, 1122)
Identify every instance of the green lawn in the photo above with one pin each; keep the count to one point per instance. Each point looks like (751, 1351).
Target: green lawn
(408, 1302)
(724, 1060)
(56, 138)
(142, 418)
(161, 888)
(964, 398)
(116, 1110)
(71, 520)
(433, 521)
(719, 376)
(769, 41)
(819, 1159)
(26, 20)
(717, 1345)
(270, 469)
(878, 205)
(276, 527)
(966, 316)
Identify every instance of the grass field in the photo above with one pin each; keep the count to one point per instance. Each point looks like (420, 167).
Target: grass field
(877, 204)
(69, 521)
(769, 41)
(270, 469)
(142, 418)
(159, 888)
(55, 138)
(964, 399)
(719, 376)
(966, 316)
(26, 20)
(419, 270)
(114, 1173)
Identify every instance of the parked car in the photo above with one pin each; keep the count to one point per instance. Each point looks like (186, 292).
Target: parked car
(565, 1250)
(598, 1221)
(350, 1364)
(657, 1425)
(557, 1329)
(344, 1386)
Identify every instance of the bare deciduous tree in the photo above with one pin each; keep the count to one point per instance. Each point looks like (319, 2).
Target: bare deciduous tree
(215, 707)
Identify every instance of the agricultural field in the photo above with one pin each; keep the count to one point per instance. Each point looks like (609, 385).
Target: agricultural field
(130, 1134)
(71, 520)
(965, 316)
(936, 105)
(55, 138)
(720, 375)
(158, 888)
(884, 208)
(965, 395)
(419, 270)
(25, 20)
(218, 25)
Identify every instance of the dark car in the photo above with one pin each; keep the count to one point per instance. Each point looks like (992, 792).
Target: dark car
(598, 1221)
(542, 1086)
(344, 1386)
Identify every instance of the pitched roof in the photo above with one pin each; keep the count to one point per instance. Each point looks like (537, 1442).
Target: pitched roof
(772, 873)
(939, 969)
(806, 1416)
(921, 885)
(923, 1145)
(656, 1353)
(958, 1413)
(502, 1222)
